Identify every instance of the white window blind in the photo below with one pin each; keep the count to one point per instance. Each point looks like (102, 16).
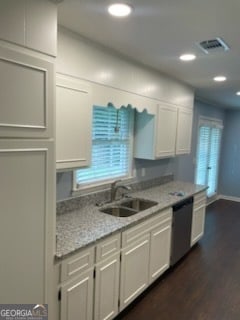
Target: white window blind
(213, 162)
(209, 142)
(110, 146)
(202, 157)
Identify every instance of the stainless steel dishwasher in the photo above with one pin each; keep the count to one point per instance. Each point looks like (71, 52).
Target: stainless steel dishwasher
(181, 229)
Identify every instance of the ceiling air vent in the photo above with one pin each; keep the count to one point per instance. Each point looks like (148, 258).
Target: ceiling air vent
(213, 45)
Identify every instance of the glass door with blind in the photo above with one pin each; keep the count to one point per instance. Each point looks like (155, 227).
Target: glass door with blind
(208, 152)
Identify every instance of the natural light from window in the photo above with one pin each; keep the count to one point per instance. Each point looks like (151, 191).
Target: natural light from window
(111, 147)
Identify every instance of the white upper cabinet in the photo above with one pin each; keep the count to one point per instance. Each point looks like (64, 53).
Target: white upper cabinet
(155, 135)
(73, 123)
(26, 91)
(160, 123)
(12, 20)
(164, 135)
(184, 131)
(32, 24)
(166, 131)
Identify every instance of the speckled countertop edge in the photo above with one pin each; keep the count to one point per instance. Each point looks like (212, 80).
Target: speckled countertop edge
(88, 225)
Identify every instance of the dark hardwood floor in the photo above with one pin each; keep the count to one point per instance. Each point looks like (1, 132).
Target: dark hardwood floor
(205, 285)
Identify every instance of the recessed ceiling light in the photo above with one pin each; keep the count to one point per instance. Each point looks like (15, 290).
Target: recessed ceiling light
(238, 93)
(220, 78)
(187, 57)
(119, 9)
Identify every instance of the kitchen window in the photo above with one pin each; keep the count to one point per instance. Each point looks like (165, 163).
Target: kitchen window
(111, 147)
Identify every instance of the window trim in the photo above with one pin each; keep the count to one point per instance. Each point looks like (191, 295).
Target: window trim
(105, 184)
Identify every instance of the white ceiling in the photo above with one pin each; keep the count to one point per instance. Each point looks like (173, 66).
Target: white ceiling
(158, 31)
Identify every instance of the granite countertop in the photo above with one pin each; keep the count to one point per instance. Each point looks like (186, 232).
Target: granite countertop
(87, 225)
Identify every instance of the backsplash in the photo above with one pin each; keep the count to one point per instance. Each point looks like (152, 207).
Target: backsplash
(103, 196)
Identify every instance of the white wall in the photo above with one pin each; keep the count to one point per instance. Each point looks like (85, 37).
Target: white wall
(86, 60)
(229, 178)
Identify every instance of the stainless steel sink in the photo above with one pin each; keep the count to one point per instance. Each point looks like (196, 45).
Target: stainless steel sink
(118, 211)
(129, 207)
(138, 204)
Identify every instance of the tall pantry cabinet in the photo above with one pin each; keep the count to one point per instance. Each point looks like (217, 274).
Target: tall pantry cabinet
(27, 151)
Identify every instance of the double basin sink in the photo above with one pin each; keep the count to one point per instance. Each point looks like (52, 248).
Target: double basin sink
(129, 207)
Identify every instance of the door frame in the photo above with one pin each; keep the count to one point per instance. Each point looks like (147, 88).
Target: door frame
(213, 123)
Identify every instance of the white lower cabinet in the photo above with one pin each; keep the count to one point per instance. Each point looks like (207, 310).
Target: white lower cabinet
(90, 282)
(97, 284)
(145, 255)
(134, 270)
(198, 218)
(77, 298)
(107, 278)
(100, 281)
(107, 288)
(77, 275)
(160, 249)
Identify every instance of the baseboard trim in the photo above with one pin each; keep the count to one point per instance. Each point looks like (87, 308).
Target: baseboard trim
(221, 196)
(211, 200)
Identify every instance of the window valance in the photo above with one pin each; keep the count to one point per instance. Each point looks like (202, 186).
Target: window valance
(107, 96)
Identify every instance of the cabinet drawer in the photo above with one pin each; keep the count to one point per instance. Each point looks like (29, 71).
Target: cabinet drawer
(108, 247)
(77, 264)
(132, 234)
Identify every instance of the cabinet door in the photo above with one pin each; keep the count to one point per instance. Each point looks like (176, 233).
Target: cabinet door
(166, 131)
(26, 91)
(77, 298)
(160, 245)
(12, 20)
(107, 289)
(27, 218)
(32, 24)
(184, 131)
(134, 270)
(198, 222)
(73, 123)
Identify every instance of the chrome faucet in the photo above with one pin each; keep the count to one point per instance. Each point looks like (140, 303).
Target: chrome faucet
(115, 187)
